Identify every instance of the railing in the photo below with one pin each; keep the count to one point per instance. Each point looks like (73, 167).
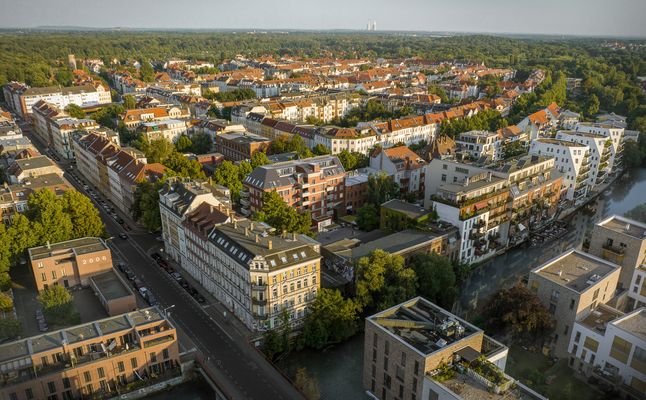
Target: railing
(614, 249)
(154, 342)
(259, 302)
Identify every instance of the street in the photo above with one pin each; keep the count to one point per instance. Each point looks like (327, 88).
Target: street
(241, 371)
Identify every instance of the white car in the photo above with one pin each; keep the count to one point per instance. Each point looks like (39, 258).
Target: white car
(143, 291)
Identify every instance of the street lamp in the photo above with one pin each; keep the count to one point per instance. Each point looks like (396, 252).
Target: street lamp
(166, 310)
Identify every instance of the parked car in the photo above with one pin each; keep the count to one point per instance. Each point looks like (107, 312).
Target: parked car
(156, 256)
(120, 221)
(191, 290)
(122, 267)
(183, 283)
(130, 275)
(123, 236)
(170, 270)
(200, 299)
(137, 283)
(143, 291)
(150, 298)
(176, 276)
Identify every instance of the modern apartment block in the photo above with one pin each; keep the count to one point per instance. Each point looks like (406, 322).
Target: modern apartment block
(99, 359)
(572, 160)
(571, 286)
(403, 165)
(313, 184)
(609, 131)
(600, 153)
(69, 263)
(621, 241)
(23, 98)
(637, 291)
(178, 198)
(478, 144)
(238, 146)
(611, 347)
(475, 201)
(407, 345)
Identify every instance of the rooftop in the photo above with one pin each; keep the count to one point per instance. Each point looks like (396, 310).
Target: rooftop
(565, 143)
(243, 137)
(35, 162)
(110, 286)
(625, 226)
(423, 326)
(395, 243)
(576, 270)
(634, 323)
(412, 211)
(599, 319)
(469, 388)
(78, 246)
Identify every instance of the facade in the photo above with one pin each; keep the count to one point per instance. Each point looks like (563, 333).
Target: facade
(69, 263)
(21, 170)
(600, 153)
(113, 293)
(99, 359)
(571, 285)
(239, 146)
(572, 160)
(478, 144)
(621, 241)
(611, 347)
(616, 136)
(637, 292)
(169, 129)
(411, 341)
(356, 188)
(61, 97)
(133, 118)
(313, 184)
(178, 198)
(403, 165)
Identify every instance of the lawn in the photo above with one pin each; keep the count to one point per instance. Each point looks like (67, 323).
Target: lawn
(533, 368)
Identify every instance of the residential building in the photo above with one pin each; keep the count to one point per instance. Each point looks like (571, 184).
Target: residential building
(92, 153)
(541, 123)
(14, 198)
(313, 184)
(572, 160)
(178, 198)
(611, 347)
(637, 291)
(397, 215)
(97, 359)
(616, 144)
(407, 345)
(571, 286)
(12, 92)
(169, 129)
(404, 166)
(69, 263)
(475, 201)
(621, 241)
(476, 145)
(135, 117)
(23, 169)
(238, 146)
(356, 188)
(61, 97)
(600, 153)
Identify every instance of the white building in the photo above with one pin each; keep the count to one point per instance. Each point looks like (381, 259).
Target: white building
(169, 129)
(572, 160)
(477, 144)
(616, 135)
(61, 97)
(600, 153)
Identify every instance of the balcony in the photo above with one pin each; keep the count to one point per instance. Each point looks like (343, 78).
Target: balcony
(613, 253)
(244, 202)
(244, 194)
(259, 302)
(245, 212)
(258, 286)
(261, 317)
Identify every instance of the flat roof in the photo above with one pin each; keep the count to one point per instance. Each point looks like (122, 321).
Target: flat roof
(576, 270)
(35, 162)
(559, 142)
(423, 325)
(78, 246)
(413, 211)
(243, 137)
(625, 226)
(110, 285)
(395, 242)
(600, 317)
(634, 323)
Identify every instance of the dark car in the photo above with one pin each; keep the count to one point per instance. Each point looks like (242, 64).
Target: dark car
(130, 275)
(122, 267)
(137, 283)
(123, 236)
(120, 221)
(191, 290)
(200, 299)
(170, 270)
(150, 298)
(156, 256)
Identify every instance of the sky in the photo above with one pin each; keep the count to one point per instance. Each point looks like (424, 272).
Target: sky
(568, 17)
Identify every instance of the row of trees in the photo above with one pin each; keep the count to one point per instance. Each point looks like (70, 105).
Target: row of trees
(233, 95)
(372, 110)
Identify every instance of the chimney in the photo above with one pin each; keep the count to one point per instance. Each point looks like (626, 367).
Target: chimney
(235, 224)
(257, 238)
(294, 236)
(246, 231)
(49, 247)
(269, 244)
(251, 226)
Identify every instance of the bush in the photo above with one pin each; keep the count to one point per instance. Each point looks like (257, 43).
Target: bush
(58, 307)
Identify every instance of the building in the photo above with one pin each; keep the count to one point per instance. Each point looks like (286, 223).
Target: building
(637, 292)
(572, 160)
(169, 129)
(397, 215)
(82, 96)
(12, 92)
(475, 201)
(611, 347)
(356, 188)
(403, 165)
(178, 198)
(92, 153)
(476, 145)
(407, 345)
(621, 241)
(313, 184)
(135, 117)
(113, 293)
(14, 198)
(616, 144)
(239, 146)
(69, 263)
(571, 285)
(24, 169)
(101, 358)
(600, 153)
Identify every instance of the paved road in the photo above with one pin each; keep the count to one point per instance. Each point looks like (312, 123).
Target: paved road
(241, 372)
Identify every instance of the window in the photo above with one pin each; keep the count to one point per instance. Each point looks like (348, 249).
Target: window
(29, 393)
(121, 367)
(100, 372)
(403, 359)
(639, 360)
(620, 349)
(577, 337)
(387, 380)
(401, 391)
(443, 177)
(374, 370)
(51, 386)
(153, 357)
(400, 373)
(385, 363)
(591, 344)
(374, 354)
(53, 274)
(133, 363)
(416, 369)
(13, 396)
(375, 339)
(87, 376)
(66, 383)
(567, 328)
(165, 354)
(43, 277)
(572, 302)
(387, 348)
(595, 294)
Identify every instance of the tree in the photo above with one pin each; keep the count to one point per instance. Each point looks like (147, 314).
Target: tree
(129, 102)
(5, 257)
(271, 344)
(514, 149)
(331, 319)
(157, 151)
(147, 72)
(10, 328)
(320, 150)
(184, 167)
(281, 216)
(633, 155)
(75, 111)
(382, 280)
(286, 144)
(368, 217)
(518, 311)
(6, 302)
(145, 207)
(64, 77)
(50, 222)
(435, 279)
(201, 143)
(228, 174)
(57, 305)
(183, 144)
(85, 218)
(381, 188)
(592, 107)
(259, 158)
(438, 91)
(21, 236)
(307, 385)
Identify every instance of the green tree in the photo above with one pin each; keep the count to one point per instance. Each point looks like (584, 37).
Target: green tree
(435, 279)
(21, 236)
(75, 111)
(259, 158)
(382, 280)
(228, 174)
(10, 328)
(514, 149)
(438, 91)
(129, 102)
(348, 160)
(592, 107)
(307, 385)
(331, 319)
(5, 257)
(157, 151)
(368, 217)
(271, 344)
(57, 305)
(147, 72)
(320, 150)
(201, 143)
(50, 221)
(85, 218)
(184, 167)
(286, 144)
(281, 216)
(145, 208)
(381, 188)
(183, 144)
(6, 302)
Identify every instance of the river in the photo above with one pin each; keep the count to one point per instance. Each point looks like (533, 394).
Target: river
(338, 370)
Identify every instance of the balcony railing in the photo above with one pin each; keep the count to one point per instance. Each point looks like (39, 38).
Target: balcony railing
(259, 302)
(620, 251)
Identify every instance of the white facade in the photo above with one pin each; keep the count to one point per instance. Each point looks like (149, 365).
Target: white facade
(616, 135)
(600, 153)
(170, 129)
(481, 144)
(637, 290)
(82, 96)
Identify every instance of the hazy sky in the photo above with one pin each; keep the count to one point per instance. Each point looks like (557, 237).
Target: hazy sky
(586, 17)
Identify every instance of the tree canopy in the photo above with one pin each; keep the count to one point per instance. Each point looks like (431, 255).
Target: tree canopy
(331, 319)
(281, 216)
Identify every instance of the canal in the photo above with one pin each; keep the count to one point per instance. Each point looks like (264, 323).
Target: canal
(338, 370)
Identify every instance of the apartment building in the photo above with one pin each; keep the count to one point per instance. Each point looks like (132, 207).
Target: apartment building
(403, 165)
(408, 345)
(69, 263)
(133, 118)
(239, 146)
(313, 184)
(609, 131)
(12, 92)
(572, 160)
(61, 97)
(476, 145)
(611, 347)
(621, 241)
(178, 198)
(24, 169)
(571, 286)
(600, 153)
(475, 201)
(637, 291)
(14, 198)
(92, 153)
(169, 129)
(356, 188)
(98, 359)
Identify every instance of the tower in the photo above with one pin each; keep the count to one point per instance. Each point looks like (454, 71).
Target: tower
(71, 61)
